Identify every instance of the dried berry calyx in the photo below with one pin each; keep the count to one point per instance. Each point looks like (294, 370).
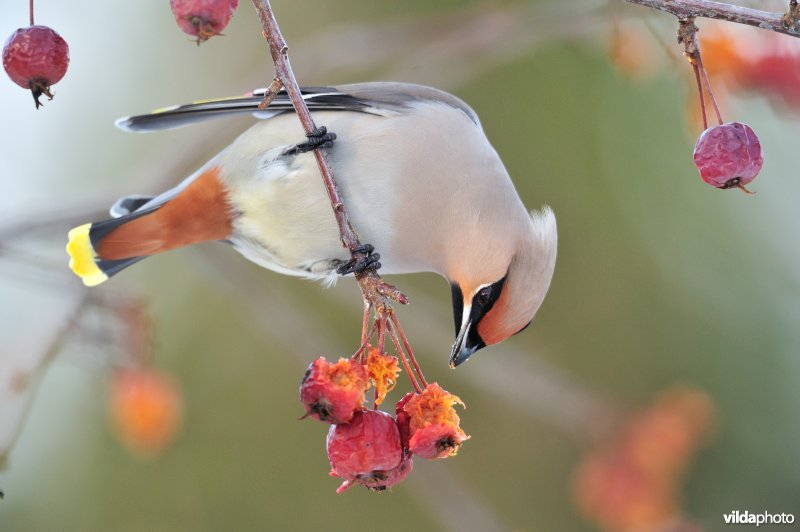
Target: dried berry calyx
(35, 58)
(366, 451)
(334, 392)
(428, 423)
(728, 155)
(383, 370)
(380, 481)
(203, 18)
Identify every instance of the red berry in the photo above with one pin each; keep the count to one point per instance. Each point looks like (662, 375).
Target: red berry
(379, 481)
(436, 441)
(334, 392)
(428, 424)
(366, 450)
(203, 18)
(36, 58)
(404, 421)
(728, 155)
(145, 410)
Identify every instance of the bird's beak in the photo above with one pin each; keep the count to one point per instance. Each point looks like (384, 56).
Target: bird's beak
(461, 350)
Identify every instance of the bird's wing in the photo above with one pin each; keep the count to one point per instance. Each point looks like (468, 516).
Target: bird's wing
(380, 98)
(317, 98)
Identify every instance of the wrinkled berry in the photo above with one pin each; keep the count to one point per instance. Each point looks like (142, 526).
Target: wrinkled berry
(728, 155)
(386, 479)
(334, 392)
(428, 424)
(203, 18)
(366, 450)
(436, 441)
(35, 58)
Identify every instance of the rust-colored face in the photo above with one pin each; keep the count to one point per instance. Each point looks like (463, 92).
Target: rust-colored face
(497, 323)
(469, 315)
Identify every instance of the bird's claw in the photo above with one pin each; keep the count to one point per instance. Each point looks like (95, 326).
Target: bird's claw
(370, 261)
(319, 138)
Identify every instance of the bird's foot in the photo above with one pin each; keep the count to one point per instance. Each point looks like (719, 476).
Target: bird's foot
(368, 261)
(319, 138)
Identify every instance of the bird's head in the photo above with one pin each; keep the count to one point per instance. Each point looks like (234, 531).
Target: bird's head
(504, 291)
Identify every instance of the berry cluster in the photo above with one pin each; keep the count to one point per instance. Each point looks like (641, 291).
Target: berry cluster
(368, 446)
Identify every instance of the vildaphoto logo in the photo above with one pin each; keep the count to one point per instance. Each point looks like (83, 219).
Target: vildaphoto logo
(764, 518)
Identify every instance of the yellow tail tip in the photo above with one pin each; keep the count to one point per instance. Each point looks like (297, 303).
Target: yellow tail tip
(82, 256)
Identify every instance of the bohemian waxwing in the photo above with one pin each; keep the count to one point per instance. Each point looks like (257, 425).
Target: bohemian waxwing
(417, 174)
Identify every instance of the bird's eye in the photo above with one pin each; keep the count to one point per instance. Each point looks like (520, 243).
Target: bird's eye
(483, 296)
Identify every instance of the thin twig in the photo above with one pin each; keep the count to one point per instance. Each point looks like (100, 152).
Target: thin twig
(375, 291)
(271, 93)
(283, 72)
(687, 33)
(27, 379)
(685, 9)
(359, 354)
(792, 17)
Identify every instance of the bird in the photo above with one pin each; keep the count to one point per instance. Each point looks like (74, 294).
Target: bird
(418, 176)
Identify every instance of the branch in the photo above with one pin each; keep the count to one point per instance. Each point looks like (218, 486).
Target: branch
(685, 9)
(375, 291)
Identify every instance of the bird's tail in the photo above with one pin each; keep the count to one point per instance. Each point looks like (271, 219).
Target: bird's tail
(197, 213)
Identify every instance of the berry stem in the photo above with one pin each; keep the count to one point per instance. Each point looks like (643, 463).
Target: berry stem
(687, 35)
(396, 323)
(403, 358)
(707, 83)
(30, 7)
(373, 288)
(365, 323)
(359, 355)
(382, 326)
(700, 92)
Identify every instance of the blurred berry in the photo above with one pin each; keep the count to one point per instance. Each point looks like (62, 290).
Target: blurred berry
(145, 410)
(633, 482)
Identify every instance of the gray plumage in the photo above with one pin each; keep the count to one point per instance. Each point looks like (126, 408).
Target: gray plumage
(419, 178)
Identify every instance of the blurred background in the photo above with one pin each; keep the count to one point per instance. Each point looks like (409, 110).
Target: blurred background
(656, 390)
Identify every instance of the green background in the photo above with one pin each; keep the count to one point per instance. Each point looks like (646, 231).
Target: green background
(660, 278)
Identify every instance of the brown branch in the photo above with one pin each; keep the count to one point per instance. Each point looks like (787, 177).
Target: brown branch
(376, 292)
(686, 9)
(792, 17)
